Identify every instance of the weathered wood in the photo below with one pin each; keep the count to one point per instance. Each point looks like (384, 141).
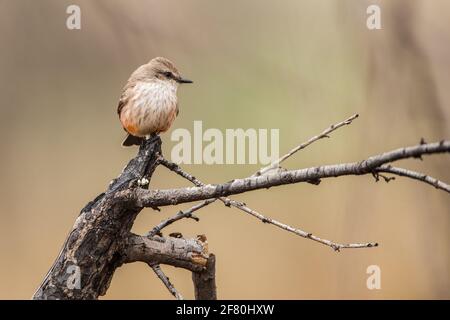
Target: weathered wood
(189, 254)
(93, 246)
(205, 281)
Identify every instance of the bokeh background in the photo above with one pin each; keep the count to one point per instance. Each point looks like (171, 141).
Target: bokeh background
(294, 65)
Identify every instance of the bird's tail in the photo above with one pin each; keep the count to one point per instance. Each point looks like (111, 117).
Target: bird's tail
(131, 140)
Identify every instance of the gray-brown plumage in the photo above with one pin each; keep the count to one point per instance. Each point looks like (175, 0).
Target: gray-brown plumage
(148, 104)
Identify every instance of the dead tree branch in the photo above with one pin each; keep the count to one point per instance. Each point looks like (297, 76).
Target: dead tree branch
(205, 281)
(190, 254)
(101, 241)
(157, 198)
(92, 249)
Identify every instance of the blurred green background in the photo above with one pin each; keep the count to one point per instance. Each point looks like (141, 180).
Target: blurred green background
(294, 65)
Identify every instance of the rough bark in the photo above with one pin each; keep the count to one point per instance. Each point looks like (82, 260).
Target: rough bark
(98, 235)
(189, 254)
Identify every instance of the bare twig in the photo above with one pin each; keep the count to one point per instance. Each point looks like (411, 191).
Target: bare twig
(157, 269)
(177, 169)
(229, 202)
(336, 246)
(324, 134)
(180, 215)
(415, 175)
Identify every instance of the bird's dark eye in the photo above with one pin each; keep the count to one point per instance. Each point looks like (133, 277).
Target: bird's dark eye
(168, 74)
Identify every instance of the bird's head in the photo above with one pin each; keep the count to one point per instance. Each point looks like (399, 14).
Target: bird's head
(163, 69)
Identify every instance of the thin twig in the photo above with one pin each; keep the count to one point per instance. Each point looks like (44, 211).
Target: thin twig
(177, 169)
(336, 246)
(415, 175)
(229, 202)
(157, 269)
(324, 134)
(180, 215)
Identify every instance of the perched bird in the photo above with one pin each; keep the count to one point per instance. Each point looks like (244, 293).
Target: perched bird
(148, 104)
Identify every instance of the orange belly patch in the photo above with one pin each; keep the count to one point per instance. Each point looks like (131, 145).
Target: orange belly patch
(130, 127)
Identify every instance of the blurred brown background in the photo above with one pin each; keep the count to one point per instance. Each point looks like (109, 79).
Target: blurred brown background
(294, 65)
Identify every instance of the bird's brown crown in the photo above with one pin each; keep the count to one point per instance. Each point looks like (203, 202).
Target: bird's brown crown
(163, 69)
(157, 68)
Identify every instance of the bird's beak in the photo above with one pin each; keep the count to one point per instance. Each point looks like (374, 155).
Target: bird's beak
(182, 80)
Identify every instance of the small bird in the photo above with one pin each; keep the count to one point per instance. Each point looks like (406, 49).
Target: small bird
(148, 104)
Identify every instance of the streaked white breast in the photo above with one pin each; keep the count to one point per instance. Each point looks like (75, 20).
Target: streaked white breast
(153, 105)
